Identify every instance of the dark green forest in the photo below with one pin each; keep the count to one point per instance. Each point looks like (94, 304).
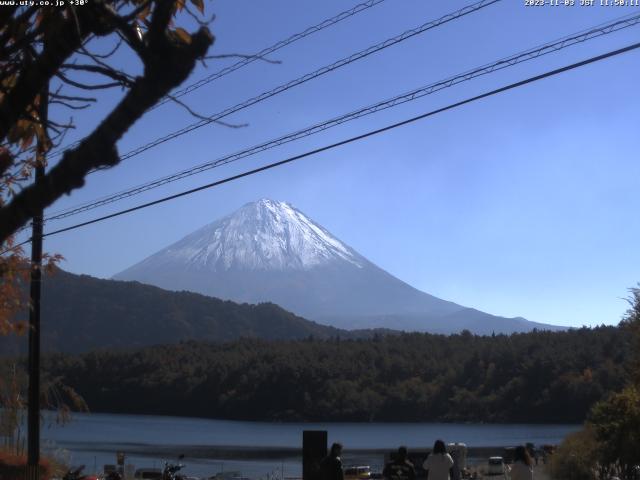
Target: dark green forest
(532, 377)
(81, 313)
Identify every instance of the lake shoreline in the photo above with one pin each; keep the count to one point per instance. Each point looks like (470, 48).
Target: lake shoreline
(305, 421)
(243, 452)
(257, 449)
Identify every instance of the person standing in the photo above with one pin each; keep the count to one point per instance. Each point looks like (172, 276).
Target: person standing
(438, 463)
(400, 468)
(331, 465)
(522, 468)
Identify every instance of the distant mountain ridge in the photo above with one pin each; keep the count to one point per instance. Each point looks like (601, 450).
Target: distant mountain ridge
(270, 251)
(82, 313)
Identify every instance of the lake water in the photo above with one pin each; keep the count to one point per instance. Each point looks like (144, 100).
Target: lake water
(93, 439)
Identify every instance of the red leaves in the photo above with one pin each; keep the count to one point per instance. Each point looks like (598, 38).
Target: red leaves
(15, 272)
(199, 4)
(183, 35)
(144, 14)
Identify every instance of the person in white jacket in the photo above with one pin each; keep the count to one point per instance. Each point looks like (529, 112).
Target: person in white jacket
(522, 468)
(438, 463)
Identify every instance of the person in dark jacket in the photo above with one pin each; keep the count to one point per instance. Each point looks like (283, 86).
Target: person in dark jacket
(331, 465)
(401, 468)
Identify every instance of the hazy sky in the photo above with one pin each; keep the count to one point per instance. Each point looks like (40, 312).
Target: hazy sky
(522, 204)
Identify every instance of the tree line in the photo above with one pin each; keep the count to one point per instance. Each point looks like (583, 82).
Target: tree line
(608, 445)
(533, 377)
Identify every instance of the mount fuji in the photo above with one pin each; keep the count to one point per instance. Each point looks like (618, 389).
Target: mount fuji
(268, 251)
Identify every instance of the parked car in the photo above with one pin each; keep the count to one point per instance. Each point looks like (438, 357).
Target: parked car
(496, 467)
(360, 472)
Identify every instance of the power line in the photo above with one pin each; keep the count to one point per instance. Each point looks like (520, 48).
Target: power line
(310, 76)
(273, 48)
(351, 139)
(343, 142)
(506, 62)
(260, 55)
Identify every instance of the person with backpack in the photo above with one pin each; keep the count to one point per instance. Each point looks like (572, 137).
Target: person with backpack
(400, 468)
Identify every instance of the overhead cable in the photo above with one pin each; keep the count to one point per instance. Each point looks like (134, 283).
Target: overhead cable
(258, 56)
(310, 76)
(506, 62)
(349, 140)
(273, 48)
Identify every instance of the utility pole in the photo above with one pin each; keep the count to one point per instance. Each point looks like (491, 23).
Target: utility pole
(33, 414)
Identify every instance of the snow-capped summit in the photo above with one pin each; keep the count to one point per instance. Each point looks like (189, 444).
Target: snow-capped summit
(268, 251)
(263, 235)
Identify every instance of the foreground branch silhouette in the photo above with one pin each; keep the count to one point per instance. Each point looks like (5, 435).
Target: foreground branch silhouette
(39, 46)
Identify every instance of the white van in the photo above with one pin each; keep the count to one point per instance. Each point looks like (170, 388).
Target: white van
(496, 467)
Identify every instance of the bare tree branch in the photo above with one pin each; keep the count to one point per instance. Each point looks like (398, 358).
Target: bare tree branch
(8, 22)
(93, 55)
(167, 64)
(57, 140)
(98, 60)
(200, 21)
(84, 86)
(57, 96)
(65, 126)
(107, 71)
(63, 42)
(136, 11)
(204, 117)
(69, 105)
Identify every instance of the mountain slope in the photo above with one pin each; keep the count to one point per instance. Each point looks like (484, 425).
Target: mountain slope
(270, 251)
(81, 313)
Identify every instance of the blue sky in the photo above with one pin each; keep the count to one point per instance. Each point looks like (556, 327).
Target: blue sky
(523, 204)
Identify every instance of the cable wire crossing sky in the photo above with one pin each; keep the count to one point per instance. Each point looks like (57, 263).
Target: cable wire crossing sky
(349, 140)
(379, 106)
(518, 205)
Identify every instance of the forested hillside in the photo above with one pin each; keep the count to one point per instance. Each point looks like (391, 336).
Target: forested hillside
(82, 313)
(533, 377)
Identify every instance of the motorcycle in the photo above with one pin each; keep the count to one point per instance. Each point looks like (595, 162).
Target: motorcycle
(76, 474)
(170, 470)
